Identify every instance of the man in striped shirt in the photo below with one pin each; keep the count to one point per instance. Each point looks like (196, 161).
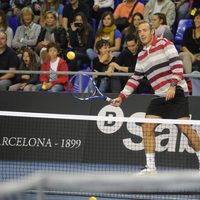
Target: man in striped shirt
(160, 63)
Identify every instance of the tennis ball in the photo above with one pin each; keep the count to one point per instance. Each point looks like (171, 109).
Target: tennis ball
(44, 87)
(71, 55)
(92, 198)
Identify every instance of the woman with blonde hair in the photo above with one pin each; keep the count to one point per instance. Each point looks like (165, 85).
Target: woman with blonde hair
(26, 34)
(51, 5)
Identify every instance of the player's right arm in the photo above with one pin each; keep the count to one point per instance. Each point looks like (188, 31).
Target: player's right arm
(130, 86)
(116, 102)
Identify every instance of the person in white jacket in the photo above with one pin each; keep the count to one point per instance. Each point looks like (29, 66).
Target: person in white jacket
(166, 7)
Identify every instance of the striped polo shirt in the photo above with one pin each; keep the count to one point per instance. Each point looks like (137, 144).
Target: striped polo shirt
(161, 64)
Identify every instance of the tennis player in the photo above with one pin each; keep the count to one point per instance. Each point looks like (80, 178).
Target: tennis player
(160, 63)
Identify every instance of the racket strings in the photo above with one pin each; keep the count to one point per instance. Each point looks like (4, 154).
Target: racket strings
(82, 87)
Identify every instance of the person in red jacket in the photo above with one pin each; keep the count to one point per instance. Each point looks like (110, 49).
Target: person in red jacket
(53, 82)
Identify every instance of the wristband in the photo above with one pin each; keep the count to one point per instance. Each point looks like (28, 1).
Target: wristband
(173, 84)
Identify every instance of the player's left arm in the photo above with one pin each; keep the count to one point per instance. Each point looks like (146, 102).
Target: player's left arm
(176, 67)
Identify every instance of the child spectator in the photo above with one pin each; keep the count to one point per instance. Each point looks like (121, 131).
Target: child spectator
(51, 5)
(26, 34)
(4, 27)
(50, 33)
(107, 83)
(162, 30)
(53, 82)
(80, 38)
(25, 82)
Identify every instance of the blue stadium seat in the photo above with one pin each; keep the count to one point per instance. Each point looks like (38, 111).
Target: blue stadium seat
(13, 22)
(141, 1)
(116, 3)
(93, 24)
(182, 26)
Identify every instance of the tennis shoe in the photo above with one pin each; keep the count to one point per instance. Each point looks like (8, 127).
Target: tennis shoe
(147, 171)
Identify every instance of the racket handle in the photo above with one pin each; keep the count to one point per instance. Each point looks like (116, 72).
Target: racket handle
(108, 99)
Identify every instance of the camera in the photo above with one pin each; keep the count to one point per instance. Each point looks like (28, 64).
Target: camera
(78, 24)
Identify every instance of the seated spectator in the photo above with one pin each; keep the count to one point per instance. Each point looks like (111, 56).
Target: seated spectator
(166, 7)
(162, 30)
(5, 5)
(80, 38)
(50, 33)
(195, 84)
(182, 7)
(4, 27)
(107, 83)
(132, 28)
(25, 82)
(193, 8)
(124, 10)
(53, 82)
(8, 61)
(107, 31)
(190, 47)
(71, 9)
(26, 34)
(17, 6)
(126, 62)
(51, 5)
(36, 7)
(100, 6)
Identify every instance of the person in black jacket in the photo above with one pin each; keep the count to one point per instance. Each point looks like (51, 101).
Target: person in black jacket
(50, 33)
(126, 62)
(80, 38)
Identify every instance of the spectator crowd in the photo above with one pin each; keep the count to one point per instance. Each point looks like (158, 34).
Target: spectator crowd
(37, 35)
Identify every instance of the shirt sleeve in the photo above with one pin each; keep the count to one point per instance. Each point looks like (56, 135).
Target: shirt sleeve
(175, 62)
(133, 81)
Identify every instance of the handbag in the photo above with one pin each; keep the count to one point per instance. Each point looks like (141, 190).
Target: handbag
(123, 22)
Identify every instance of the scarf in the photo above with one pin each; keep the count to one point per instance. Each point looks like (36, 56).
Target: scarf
(108, 32)
(49, 33)
(28, 30)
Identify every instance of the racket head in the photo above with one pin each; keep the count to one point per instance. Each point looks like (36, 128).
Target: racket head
(82, 87)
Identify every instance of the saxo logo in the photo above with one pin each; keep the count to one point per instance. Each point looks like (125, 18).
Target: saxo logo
(167, 138)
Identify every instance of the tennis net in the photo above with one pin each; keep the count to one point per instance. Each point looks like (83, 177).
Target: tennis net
(32, 142)
(47, 186)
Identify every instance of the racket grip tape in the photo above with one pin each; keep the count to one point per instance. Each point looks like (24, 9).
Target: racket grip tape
(108, 99)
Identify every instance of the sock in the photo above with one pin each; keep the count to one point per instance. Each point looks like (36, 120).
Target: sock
(198, 156)
(150, 160)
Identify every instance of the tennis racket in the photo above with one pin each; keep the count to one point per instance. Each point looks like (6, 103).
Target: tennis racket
(83, 87)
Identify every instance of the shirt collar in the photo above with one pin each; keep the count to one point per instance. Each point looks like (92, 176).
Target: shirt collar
(153, 43)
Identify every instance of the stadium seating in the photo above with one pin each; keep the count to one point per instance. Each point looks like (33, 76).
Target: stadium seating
(13, 22)
(182, 26)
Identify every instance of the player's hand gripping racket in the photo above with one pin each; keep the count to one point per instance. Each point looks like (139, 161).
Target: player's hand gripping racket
(83, 87)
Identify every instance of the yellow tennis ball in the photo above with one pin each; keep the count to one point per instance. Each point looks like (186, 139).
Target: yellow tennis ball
(71, 55)
(92, 198)
(44, 87)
